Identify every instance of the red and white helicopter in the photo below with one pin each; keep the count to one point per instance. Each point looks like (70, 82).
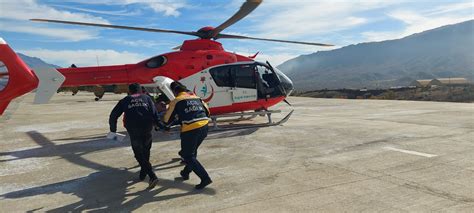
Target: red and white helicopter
(232, 84)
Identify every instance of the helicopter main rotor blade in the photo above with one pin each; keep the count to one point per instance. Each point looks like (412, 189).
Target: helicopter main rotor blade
(244, 10)
(220, 35)
(116, 26)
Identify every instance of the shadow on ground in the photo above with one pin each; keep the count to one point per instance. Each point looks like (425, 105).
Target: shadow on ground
(108, 188)
(96, 143)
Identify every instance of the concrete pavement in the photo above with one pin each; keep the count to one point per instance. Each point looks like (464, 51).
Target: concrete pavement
(333, 155)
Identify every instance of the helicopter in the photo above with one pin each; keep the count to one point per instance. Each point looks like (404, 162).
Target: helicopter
(231, 84)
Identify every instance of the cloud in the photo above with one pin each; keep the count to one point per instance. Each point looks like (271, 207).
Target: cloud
(28, 9)
(101, 12)
(285, 19)
(167, 7)
(344, 22)
(143, 43)
(15, 17)
(417, 21)
(275, 59)
(86, 57)
(62, 33)
(454, 7)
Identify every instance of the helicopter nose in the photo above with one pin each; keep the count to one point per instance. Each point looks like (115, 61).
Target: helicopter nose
(288, 86)
(286, 83)
(289, 89)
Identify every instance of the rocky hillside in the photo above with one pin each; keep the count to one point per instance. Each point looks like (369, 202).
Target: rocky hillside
(447, 51)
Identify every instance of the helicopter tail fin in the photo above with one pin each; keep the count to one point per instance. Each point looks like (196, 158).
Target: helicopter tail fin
(16, 78)
(50, 79)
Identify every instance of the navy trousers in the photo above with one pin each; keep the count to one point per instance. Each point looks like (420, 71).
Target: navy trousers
(141, 140)
(190, 142)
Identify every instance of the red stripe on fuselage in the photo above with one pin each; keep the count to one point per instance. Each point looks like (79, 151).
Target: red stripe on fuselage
(246, 106)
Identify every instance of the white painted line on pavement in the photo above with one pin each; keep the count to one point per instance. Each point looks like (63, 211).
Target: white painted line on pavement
(410, 152)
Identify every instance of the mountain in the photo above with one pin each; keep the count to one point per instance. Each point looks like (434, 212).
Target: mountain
(33, 62)
(446, 51)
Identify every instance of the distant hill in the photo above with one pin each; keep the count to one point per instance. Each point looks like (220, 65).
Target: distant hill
(33, 62)
(443, 52)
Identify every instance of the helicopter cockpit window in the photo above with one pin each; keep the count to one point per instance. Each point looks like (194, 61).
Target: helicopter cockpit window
(268, 82)
(3, 76)
(156, 62)
(267, 76)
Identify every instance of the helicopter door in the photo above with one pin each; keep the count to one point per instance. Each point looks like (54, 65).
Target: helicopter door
(245, 84)
(236, 83)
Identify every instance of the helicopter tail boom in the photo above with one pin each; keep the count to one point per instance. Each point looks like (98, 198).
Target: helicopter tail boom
(99, 75)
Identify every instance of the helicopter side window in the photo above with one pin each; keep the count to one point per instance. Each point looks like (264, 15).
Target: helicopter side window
(156, 62)
(3, 76)
(222, 76)
(244, 76)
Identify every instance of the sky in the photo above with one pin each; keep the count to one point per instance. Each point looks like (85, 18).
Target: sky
(338, 22)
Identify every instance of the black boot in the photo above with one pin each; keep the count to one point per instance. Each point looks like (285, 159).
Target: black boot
(203, 183)
(152, 183)
(184, 175)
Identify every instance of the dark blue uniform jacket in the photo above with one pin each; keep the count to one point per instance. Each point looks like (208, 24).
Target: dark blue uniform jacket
(140, 113)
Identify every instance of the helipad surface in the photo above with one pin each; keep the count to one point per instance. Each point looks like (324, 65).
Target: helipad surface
(332, 155)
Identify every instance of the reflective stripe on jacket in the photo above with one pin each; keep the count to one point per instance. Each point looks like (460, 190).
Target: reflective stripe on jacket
(189, 110)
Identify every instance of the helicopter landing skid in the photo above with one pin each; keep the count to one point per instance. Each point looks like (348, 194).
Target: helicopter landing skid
(243, 116)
